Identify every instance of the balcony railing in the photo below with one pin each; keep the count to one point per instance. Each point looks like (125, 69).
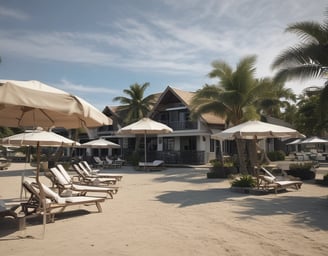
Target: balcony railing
(178, 125)
(172, 157)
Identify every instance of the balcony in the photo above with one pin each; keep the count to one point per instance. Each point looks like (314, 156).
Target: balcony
(178, 125)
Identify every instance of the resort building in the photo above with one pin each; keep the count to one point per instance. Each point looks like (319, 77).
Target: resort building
(190, 142)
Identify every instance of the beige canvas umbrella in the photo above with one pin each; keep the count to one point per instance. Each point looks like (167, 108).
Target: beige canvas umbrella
(145, 126)
(99, 143)
(256, 129)
(35, 104)
(253, 130)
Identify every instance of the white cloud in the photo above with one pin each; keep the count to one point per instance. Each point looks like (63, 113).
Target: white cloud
(79, 88)
(12, 13)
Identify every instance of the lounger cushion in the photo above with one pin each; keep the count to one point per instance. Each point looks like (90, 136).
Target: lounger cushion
(59, 176)
(269, 179)
(51, 194)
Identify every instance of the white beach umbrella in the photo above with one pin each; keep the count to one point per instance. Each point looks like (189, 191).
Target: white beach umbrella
(314, 140)
(35, 104)
(256, 130)
(253, 130)
(145, 126)
(99, 143)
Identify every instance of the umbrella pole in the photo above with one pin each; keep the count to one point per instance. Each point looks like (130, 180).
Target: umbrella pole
(145, 147)
(42, 195)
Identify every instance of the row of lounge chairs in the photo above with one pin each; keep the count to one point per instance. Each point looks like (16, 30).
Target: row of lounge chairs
(108, 163)
(67, 191)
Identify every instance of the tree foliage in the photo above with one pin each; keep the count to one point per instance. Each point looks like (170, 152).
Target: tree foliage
(135, 104)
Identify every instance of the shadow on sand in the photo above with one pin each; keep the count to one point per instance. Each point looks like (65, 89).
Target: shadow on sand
(196, 197)
(310, 211)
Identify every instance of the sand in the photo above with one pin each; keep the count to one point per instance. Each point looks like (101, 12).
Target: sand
(177, 211)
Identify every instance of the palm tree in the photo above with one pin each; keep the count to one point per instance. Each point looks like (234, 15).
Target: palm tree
(274, 98)
(136, 105)
(309, 59)
(233, 98)
(235, 94)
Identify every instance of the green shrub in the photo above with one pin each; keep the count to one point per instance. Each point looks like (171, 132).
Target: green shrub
(301, 170)
(244, 181)
(276, 155)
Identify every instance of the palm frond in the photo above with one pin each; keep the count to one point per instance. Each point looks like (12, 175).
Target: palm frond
(309, 32)
(303, 72)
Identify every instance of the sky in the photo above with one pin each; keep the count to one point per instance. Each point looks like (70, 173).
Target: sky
(96, 49)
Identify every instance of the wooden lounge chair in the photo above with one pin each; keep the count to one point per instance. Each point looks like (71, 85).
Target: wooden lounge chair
(65, 184)
(88, 170)
(54, 202)
(86, 179)
(269, 181)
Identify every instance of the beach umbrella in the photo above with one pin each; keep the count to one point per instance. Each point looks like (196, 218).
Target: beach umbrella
(99, 143)
(253, 130)
(256, 130)
(295, 142)
(38, 139)
(145, 126)
(35, 104)
(314, 140)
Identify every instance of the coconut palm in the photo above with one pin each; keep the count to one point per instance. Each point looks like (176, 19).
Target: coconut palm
(233, 98)
(274, 98)
(308, 59)
(136, 105)
(235, 94)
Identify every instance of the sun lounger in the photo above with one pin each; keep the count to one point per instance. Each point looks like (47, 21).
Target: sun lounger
(65, 184)
(88, 171)
(54, 202)
(86, 179)
(98, 162)
(155, 165)
(110, 163)
(269, 181)
(61, 168)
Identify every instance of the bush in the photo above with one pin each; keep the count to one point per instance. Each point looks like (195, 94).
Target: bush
(244, 181)
(276, 155)
(302, 171)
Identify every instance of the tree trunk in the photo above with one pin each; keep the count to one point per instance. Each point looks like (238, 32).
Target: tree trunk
(241, 155)
(252, 155)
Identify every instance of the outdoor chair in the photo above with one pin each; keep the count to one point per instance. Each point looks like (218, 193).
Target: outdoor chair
(54, 203)
(269, 181)
(66, 186)
(155, 165)
(110, 163)
(89, 171)
(84, 178)
(98, 162)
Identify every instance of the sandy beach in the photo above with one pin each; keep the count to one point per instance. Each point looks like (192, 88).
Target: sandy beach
(177, 211)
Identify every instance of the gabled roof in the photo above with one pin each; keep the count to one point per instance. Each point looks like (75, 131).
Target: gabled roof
(186, 97)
